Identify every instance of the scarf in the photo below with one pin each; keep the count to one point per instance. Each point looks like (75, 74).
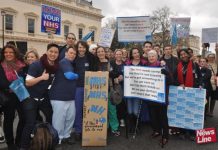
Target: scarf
(10, 67)
(51, 69)
(155, 64)
(188, 82)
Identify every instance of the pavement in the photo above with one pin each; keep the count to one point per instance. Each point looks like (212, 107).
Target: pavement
(144, 142)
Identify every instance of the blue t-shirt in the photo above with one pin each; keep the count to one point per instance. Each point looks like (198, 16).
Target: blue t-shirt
(40, 89)
(82, 65)
(63, 89)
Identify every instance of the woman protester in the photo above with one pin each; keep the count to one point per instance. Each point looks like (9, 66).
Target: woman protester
(85, 61)
(10, 66)
(104, 65)
(134, 103)
(158, 111)
(38, 81)
(116, 74)
(211, 57)
(62, 95)
(188, 75)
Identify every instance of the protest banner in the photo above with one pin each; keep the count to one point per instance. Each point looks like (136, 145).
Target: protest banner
(207, 135)
(106, 37)
(133, 29)
(210, 35)
(181, 26)
(51, 20)
(95, 109)
(186, 107)
(146, 83)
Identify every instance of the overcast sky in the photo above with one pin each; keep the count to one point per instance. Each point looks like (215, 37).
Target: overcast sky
(204, 14)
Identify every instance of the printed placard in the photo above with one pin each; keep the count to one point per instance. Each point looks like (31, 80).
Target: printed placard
(51, 20)
(207, 135)
(95, 109)
(181, 26)
(146, 83)
(210, 35)
(186, 107)
(134, 29)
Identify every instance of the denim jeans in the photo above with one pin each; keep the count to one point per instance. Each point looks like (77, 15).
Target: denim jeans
(133, 106)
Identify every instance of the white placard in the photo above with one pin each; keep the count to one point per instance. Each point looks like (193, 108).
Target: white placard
(145, 83)
(106, 37)
(210, 35)
(134, 29)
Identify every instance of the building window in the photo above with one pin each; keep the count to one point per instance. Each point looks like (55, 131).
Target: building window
(31, 25)
(80, 33)
(66, 30)
(93, 37)
(9, 22)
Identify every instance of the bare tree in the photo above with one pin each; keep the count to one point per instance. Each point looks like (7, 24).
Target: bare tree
(111, 23)
(160, 22)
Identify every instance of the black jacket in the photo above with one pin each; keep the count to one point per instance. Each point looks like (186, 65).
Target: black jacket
(206, 76)
(197, 78)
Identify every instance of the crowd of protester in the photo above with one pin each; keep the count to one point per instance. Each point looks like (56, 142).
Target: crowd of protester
(55, 82)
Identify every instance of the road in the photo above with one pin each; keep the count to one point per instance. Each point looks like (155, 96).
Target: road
(144, 142)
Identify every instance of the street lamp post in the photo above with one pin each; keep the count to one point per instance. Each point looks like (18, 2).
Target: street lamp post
(3, 13)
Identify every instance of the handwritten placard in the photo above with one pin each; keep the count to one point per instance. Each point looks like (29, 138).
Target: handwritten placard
(145, 83)
(95, 109)
(106, 37)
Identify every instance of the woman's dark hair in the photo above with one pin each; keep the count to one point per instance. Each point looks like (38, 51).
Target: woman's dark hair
(70, 48)
(16, 52)
(52, 45)
(183, 50)
(131, 53)
(84, 44)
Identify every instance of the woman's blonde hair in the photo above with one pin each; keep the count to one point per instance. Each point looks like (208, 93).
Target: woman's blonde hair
(31, 51)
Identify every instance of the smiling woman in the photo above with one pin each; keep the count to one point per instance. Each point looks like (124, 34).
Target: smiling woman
(9, 63)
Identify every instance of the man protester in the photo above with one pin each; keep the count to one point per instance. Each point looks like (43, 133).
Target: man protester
(158, 50)
(171, 61)
(70, 41)
(147, 46)
(40, 76)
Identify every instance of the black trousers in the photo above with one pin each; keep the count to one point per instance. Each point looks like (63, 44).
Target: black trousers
(9, 113)
(159, 120)
(121, 110)
(30, 109)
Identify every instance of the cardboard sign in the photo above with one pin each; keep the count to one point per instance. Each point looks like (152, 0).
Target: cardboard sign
(95, 109)
(207, 135)
(145, 83)
(186, 107)
(51, 20)
(134, 29)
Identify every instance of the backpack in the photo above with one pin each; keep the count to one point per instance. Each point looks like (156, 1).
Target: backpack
(44, 137)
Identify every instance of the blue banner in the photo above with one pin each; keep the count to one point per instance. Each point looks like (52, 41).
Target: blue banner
(51, 20)
(186, 107)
